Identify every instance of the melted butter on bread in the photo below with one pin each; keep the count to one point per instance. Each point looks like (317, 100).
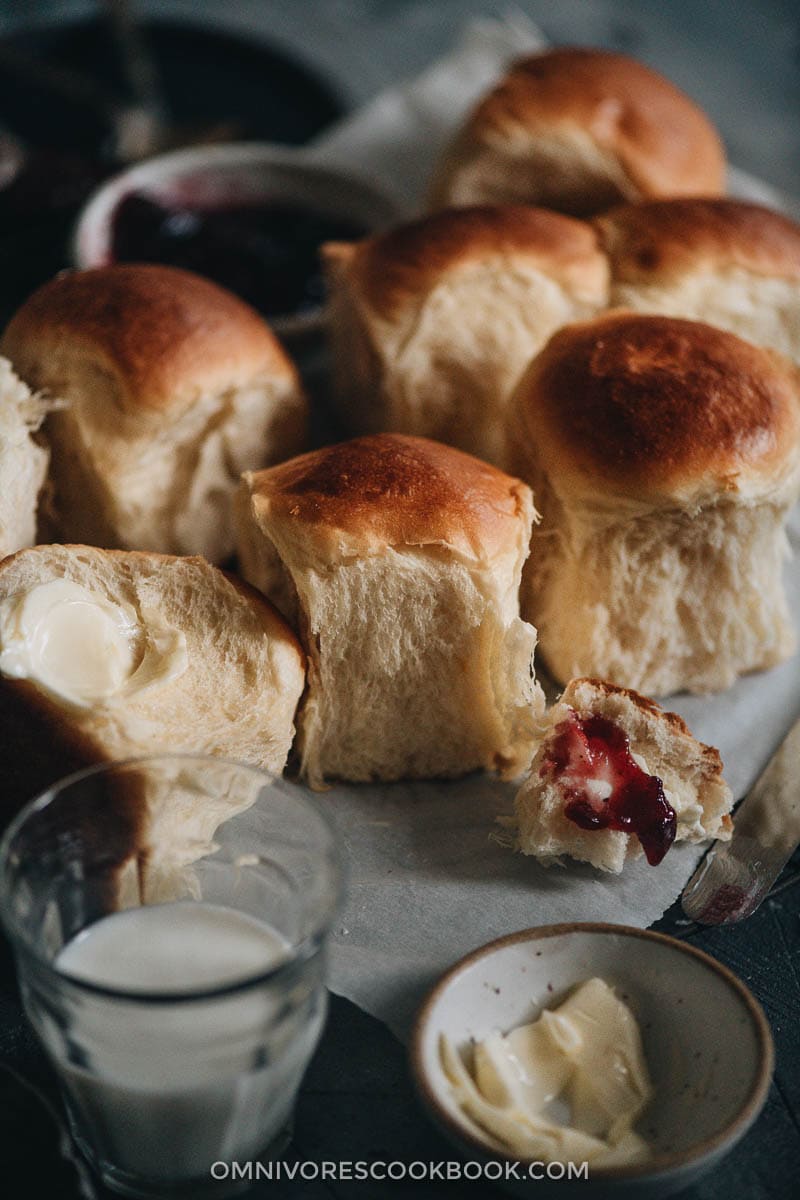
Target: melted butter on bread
(84, 648)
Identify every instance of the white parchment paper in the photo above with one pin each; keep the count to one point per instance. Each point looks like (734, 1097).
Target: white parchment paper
(427, 882)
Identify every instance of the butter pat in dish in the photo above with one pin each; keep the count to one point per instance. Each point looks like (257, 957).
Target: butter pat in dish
(690, 1011)
(567, 1087)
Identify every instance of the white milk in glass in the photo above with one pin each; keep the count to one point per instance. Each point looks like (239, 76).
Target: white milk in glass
(168, 1088)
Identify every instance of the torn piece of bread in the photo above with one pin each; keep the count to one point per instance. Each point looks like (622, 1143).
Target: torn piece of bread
(23, 461)
(664, 456)
(399, 561)
(112, 654)
(432, 323)
(579, 130)
(173, 386)
(726, 262)
(614, 776)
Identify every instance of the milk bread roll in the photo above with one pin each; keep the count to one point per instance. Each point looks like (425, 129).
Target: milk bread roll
(110, 654)
(727, 262)
(433, 323)
(664, 456)
(579, 130)
(399, 561)
(172, 387)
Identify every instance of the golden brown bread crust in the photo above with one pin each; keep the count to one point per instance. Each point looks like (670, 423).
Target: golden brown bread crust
(659, 239)
(656, 408)
(396, 267)
(389, 490)
(604, 688)
(664, 142)
(165, 335)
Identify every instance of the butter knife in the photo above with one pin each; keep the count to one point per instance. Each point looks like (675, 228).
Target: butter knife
(735, 876)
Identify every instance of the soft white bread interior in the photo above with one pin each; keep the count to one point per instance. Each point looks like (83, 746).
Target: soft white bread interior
(660, 744)
(399, 561)
(205, 663)
(173, 387)
(727, 262)
(664, 456)
(432, 323)
(579, 130)
(23, 461)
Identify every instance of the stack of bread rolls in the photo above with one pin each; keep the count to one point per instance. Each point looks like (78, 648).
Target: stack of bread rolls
(397, 560)
(151, 389)
(576, 418)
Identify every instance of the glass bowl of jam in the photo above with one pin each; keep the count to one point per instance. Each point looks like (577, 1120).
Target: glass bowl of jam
(250, 216)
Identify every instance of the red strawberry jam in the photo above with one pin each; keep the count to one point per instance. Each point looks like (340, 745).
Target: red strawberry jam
(604, 787)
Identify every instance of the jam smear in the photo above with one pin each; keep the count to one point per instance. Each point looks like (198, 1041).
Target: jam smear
(264, 251)
(729, 903)
(591, 756)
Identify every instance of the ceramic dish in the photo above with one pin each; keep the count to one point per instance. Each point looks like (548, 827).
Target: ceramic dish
(234, 173)
(707, 1043)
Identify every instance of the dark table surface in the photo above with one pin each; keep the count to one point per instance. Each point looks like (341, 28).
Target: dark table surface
(742, 61)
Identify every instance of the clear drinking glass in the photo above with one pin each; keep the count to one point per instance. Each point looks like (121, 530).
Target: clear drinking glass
(160, 1084)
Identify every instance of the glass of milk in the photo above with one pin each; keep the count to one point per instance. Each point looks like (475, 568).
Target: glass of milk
(169, 917)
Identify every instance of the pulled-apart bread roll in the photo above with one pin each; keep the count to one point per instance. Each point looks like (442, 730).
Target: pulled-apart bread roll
(433, 323)
(615, 776)
(23, 462)
(173, 386)
(110, 654)
(399, 560)
(727, 262)
(663, 455)
(578, 130)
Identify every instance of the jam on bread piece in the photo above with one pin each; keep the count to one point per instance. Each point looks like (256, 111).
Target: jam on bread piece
(605, 788)
(615, 776)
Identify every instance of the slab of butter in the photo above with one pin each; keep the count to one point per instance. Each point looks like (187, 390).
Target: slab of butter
(83, 648)
(566, 1088)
